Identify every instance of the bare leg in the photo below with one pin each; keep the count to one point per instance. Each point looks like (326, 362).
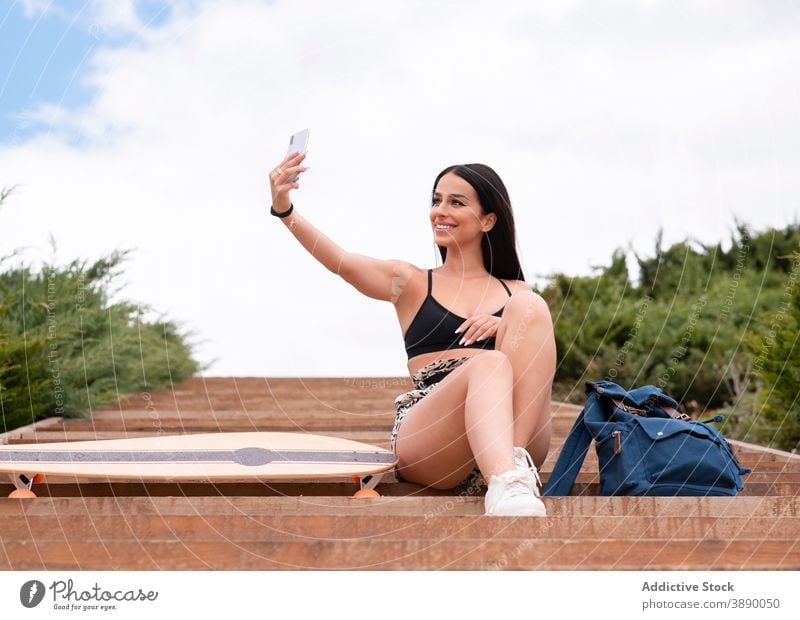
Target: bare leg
(526, 337)
(468, 417)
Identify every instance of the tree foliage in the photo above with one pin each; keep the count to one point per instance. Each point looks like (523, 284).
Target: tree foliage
(690, 324)
(66, 348)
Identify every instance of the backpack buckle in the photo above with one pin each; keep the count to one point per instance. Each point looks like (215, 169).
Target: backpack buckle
(628, 408)
(671, 411)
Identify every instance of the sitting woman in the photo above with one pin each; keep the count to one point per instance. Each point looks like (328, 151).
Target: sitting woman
(482, 376)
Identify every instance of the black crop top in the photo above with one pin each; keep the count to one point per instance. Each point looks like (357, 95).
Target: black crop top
(434, 326)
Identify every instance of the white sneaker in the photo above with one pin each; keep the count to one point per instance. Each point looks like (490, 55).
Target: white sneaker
(524, 462)
(513, 493)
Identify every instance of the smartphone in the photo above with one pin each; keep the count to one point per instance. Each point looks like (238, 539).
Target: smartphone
(298, 142)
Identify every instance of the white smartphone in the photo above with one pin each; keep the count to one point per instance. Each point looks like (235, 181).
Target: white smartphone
(298, 142)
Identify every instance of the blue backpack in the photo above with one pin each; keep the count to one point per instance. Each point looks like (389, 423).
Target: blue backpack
(645, 447)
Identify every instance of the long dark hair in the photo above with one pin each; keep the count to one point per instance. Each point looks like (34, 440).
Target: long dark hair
(499, 245)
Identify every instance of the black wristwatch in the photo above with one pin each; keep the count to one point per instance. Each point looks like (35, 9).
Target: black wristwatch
(284, 214)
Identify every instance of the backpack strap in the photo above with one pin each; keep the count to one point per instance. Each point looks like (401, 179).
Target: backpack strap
(570, 460)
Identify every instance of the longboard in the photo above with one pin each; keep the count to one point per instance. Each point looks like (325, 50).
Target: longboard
(204, 456)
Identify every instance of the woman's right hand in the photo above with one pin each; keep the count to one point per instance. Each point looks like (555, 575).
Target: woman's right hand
(279, 181)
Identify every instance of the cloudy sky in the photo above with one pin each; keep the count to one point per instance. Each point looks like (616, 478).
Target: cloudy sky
(151, 124)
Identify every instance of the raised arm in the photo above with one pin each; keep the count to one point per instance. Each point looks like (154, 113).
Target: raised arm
(375, 278)
(320, 247)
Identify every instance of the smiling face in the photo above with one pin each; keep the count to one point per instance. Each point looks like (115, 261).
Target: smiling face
(455, 204)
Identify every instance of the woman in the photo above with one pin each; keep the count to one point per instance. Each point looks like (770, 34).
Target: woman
(483, 377)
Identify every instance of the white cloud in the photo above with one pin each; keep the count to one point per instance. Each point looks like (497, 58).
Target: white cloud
(104, 18)
(604, 123)
(114, 15)
(35, 8)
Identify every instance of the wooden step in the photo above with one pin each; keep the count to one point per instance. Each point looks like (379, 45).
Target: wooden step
(211, 425)
(428, 506)
(196, 423)
(347, 528)
(312, 524)
(204, 489)
(306, 488)
(310, 409)
(414, 554)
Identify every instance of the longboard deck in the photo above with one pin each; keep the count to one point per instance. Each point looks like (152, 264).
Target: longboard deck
(213, 456)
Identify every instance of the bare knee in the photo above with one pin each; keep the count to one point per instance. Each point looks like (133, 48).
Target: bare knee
(526, 298)
(491, 361)
(527, 307)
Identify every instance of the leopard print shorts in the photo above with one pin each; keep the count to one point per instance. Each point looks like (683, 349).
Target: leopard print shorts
(425, 380)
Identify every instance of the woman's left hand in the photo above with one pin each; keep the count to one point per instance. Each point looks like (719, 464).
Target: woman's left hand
(478, 327)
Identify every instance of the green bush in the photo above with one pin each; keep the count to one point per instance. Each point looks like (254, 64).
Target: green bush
(774, 345)
(689, 327)
(65, 349)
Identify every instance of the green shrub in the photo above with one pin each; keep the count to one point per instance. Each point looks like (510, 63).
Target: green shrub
(65, 349)
(689, 326)
(774, 345)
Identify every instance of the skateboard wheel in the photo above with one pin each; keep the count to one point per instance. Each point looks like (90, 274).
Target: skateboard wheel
(22, 494)
(366, 493)
(38, 479)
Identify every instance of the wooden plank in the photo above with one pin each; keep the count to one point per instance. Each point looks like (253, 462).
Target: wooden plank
(30, 428)
(195, 425)
(428, 506)
(479, 554)
(341, 489)
(375, 422)
(782, 455)
(195, 422)
(202, 489)
(346, 528)
(298, 414)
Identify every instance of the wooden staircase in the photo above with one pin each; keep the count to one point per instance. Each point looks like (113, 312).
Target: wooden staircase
(81, 524)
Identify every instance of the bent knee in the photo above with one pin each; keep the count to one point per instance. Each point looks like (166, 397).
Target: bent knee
(492, 359)
(527, 302)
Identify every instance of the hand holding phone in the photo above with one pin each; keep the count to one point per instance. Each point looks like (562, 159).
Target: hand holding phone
(291, 164)
(298, 142)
